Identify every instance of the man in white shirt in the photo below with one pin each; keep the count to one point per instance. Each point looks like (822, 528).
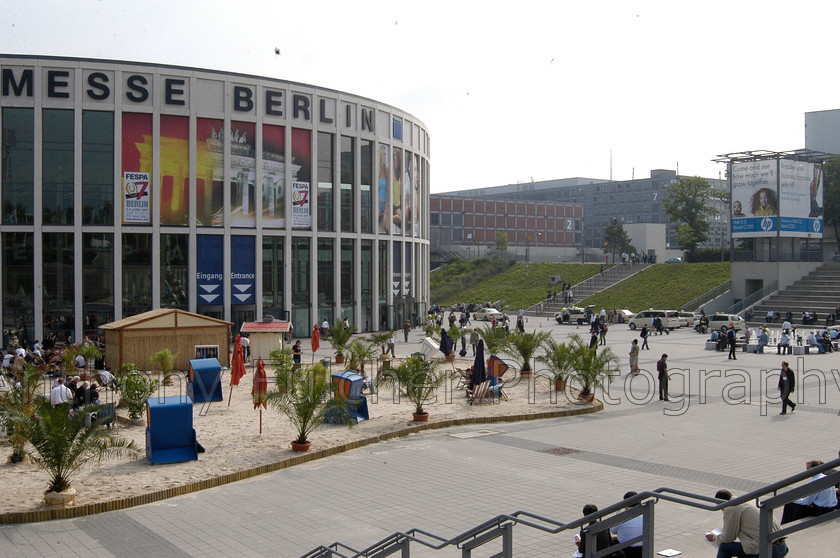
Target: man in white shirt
(60, 393)
(245, 343)
(630, 529)
(814, 505)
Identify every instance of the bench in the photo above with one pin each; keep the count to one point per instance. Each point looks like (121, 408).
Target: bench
(801, 349)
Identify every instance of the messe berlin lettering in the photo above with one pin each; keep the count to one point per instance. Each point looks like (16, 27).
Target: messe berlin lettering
(138, 88)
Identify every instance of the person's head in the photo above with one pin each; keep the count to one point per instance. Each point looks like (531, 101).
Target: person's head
(76, 378)
(630, 494)
(589, 509)
(635, 341)
(723, 495)
(736, 208)
(762, 198)
(784, 365)
(664, 356)
(93, 385)
(813, 463)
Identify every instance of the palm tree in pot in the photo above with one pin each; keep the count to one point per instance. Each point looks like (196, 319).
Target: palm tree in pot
(417, 381)
(558, 357)
(380, 338)
(165, 361)
(592, 367)
(361, 351)
(307, 402)
(495, 339)
(340, 335)
(20, 399)
(62, 443)
(524, 346)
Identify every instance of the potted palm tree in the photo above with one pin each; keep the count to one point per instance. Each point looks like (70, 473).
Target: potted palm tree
(20, 399)
(360, 351)
(495, 339)
(91, 352)
(307, 402)
(284, 366)
(524, 346)
(340, 335)
(592, 367)
(558, 357)
(380, 338)
(61, 444)
(164, 359)
(417, 381)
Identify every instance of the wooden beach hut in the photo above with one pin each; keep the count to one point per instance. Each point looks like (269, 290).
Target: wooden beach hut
(266, 336)
(137, 338)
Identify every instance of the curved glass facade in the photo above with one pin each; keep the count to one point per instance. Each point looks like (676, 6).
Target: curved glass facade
(127, 187)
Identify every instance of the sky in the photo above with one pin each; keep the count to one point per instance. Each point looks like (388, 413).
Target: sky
(509, 92)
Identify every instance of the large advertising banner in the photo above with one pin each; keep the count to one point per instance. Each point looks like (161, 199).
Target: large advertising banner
(243, 274)
(382, 189)
(274, 176)
(301, 177)
(396, 194)
(416, 202)
(174, 170)
(755, 206)
(408, 192)
(301, 215)
(210, 172)
(136, 168)
(800, 199)
(209, 272)
(243, 174)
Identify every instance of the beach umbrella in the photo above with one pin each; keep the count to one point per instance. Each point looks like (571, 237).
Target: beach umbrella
(316, 340)
(259, 389)
(479, 372)
(237, 369)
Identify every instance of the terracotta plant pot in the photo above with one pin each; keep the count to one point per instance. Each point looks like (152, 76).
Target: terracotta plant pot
(421, 417)
(587, 398)
(301, 447)
(339, 359)
(15, 458)
(63, 499)
(559, 385)
(449, 358)
(525, 372)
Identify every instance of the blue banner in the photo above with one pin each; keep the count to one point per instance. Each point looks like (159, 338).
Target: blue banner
(243, 274)
(211, 291)
(396, 280)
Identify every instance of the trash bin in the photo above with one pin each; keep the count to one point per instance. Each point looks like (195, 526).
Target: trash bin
(326, 363)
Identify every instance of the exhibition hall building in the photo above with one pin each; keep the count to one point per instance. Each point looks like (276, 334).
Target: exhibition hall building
(128, 186)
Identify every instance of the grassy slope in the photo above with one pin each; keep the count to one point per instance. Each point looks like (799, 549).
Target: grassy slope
(665, 286)
(520, 286)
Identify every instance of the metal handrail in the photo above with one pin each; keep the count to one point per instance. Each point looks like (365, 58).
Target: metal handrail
(640, 504)
(706, 297)
(753, 298)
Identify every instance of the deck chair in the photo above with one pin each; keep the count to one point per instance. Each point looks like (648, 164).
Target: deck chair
(481, 393)
(496, 368)
(463, 378)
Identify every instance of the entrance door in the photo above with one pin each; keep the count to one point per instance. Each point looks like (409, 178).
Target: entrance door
(242, 314)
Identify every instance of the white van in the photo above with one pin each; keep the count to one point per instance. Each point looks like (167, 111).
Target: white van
(670, 319)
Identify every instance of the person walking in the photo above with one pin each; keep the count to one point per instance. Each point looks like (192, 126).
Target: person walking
(662, 369)
(787, 383)
(644, 335)
(634, 357)
(732, 339)
(406, 329)
(474, 338)
(391, 342)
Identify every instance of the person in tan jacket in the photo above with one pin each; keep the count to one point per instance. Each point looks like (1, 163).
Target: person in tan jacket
(741, 522)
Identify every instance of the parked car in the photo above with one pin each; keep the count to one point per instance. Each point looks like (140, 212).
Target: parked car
(571, 314)
(673, 260)
(723, 322)
(487, 314)
(688, 319)
(625, 315)
(644, 317)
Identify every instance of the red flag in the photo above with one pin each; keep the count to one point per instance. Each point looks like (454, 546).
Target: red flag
(316, 338)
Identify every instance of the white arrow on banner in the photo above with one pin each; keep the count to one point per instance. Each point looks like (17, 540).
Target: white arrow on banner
(209, 288)
(209, 298)
(242, 297)
(242, 288)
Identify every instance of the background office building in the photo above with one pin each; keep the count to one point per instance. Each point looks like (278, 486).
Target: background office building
(128, 186)
(631, 202)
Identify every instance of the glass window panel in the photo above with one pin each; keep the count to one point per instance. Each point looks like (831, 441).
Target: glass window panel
(210, 172)
(367, 283)
(57, 166)
(59, 310)
(326, 279)
(301, 177)
(18, 288)
(243, 174)
(174, 258)
(347, 175)
(98, 280)
(174, 170)
(273, 277)
(97, 167)
(136, 273)
(325, 182)
(18, 166)
(301, 304)
(274, 176)
(347, 275)
(366, 201)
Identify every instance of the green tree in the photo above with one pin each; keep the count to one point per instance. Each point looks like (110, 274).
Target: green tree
(501, 241)
(687, 206)
(616, 239)
(831, 196)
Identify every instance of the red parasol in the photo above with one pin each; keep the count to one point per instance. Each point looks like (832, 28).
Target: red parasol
(260, 387)
(316, 340)
(237, 369)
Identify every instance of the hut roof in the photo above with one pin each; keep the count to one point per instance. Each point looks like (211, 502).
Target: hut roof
(164, 317)
(265, 327)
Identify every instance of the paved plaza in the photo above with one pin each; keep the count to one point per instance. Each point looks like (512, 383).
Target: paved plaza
(721, 429)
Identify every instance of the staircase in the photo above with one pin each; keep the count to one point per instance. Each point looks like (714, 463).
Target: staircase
(583, 290)
(819, 292)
